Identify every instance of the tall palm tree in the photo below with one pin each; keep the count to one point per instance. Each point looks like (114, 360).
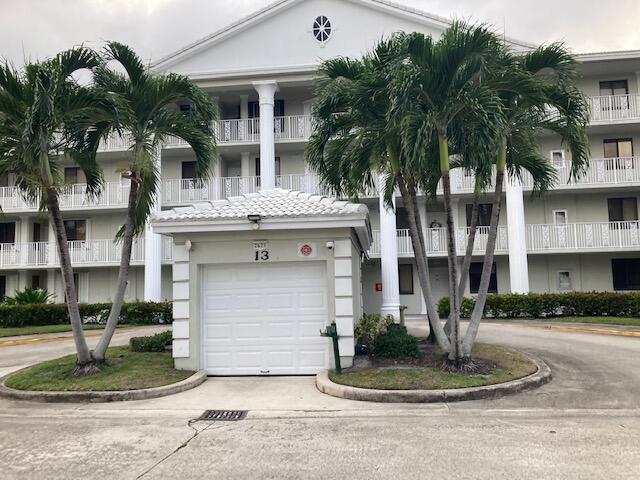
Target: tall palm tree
(356, 141)
(538, 92)
(147, 116)
(46, 118)
(443, 96)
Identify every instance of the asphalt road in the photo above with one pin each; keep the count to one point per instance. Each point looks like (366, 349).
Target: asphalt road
(584, 424)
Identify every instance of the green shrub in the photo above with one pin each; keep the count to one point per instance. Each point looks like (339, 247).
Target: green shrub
(152, 343)
(370, 328)
(397, 343)
(147, 313)
(28, 296)
(540, 305)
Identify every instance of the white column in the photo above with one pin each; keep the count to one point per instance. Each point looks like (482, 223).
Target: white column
(389, 259)
(153, 248)
(51, 245)
(244, 106)
(266, 90)
(245, 164)
(23, 238)
(51, 286)
(517, 235)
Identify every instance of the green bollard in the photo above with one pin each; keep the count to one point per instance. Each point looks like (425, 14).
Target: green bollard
(332, 331)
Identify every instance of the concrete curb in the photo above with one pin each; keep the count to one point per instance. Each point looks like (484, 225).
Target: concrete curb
(104, 396)
(537, 379)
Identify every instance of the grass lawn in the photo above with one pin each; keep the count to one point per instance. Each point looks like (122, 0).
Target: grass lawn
(630, 322)
(126, 371)
(510, 365)
(14, 331)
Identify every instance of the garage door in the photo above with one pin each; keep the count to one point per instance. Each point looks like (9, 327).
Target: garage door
(264, 319)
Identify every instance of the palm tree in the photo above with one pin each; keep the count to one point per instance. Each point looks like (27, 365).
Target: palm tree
(45, 118)
(443, 98)
(538, 92)
(148, 115)
(355, 141)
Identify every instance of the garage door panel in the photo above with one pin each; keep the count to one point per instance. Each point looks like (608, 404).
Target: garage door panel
(264, 318)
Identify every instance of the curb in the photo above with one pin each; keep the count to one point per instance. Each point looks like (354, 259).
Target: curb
(103, 396)
(537, 379)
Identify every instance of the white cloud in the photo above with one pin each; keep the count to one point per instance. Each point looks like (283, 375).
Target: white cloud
(39, 28)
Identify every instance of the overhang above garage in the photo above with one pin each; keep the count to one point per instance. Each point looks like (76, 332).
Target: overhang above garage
(267, 210)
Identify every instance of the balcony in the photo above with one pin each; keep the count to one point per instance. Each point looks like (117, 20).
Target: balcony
(436, 241)
(614, 109)
(290, 128)
(580, 237)
(83, 253)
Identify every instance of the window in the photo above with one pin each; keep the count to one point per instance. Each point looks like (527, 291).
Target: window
(475, 272)
(185, 108)
(36, 232)
(322, 29)
(71, 174)
(559, 217)
(564, 282)
(277, 166)
(402, 218)
(623, 209)
(484, 214)
(188, 170)
(278, 109)
(35, 282)
(7, 232)
(557, 158)
(617, 149)
(76, 230)
(614, 87)
(405, 273)
(626, 273)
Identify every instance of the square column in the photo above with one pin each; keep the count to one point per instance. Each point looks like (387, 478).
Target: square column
(517, 236)
(266, 91)
(153, 247)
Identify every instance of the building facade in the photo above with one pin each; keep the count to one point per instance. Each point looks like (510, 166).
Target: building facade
(583, 235)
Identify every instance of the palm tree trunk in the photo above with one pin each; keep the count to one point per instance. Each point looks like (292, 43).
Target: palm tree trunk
(123, 276)
(417, 240)
(485, 278)
(85, 364)
(455, 351)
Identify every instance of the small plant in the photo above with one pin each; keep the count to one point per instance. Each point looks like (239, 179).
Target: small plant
(370, 328)
(29, 296)
(397, 343)
(152, 343)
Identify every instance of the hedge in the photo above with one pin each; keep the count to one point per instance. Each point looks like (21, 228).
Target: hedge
(540, 305)
(152, 343)
(138, 313)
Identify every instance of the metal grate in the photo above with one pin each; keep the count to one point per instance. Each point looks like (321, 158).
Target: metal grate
(223, 415)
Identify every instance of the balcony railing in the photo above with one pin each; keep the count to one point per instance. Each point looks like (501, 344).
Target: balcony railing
(436, 241)
(583, 236)
(615, 108)
(86, 252)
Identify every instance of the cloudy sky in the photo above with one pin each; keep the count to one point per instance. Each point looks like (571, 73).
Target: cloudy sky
(39, 28)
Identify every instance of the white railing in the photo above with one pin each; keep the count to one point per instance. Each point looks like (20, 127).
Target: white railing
(114, 194)
(237, 130)
(436, 241)
(293, 127)
(583, 236)
(86, 252)
(615, 108)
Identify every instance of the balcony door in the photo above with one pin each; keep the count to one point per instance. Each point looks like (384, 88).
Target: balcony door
(618, 153)
(623, 215)
(614, 95)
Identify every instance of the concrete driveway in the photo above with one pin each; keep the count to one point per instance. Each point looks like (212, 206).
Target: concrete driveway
(584, 424)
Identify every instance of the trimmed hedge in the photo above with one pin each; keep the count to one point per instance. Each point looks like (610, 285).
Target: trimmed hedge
(540, 305)
(151, 343)
(139, 313)
(397, 343)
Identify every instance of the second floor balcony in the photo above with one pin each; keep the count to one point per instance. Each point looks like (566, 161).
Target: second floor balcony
(608, 109)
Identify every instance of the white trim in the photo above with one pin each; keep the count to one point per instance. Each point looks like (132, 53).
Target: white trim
(604, 56)
(566, 216)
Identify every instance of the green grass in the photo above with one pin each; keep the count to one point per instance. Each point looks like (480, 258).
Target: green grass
(510, 366)
(126, 370)
(630, 322)
(34, 330)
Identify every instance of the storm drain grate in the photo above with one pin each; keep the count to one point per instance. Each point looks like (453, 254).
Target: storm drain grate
(223, 415)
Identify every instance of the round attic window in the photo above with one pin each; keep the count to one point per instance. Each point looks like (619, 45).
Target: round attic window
(322, 29)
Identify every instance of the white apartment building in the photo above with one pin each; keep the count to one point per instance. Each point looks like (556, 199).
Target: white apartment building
(583, 235)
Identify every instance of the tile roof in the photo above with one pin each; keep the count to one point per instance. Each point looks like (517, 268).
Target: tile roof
(276, 203)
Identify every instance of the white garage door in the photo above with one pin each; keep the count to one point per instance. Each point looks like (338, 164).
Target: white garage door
(264, 319)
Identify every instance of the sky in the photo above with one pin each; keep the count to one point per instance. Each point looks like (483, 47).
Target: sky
(36, 29)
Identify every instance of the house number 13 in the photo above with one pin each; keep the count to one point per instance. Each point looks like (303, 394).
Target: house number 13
(261, 255)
